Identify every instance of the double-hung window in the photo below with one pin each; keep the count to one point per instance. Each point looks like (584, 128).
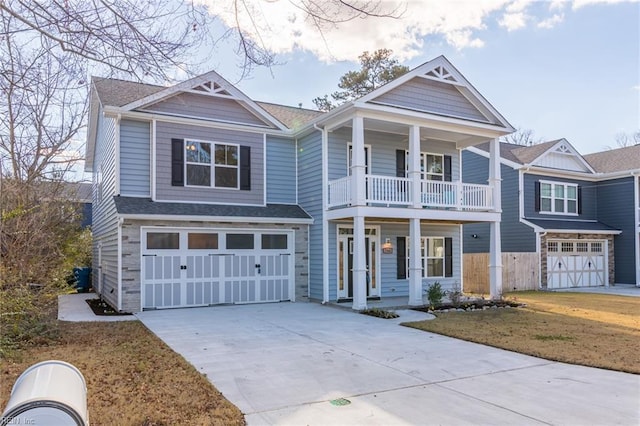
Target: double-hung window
(431, 166)
(558, 198)
(432, 255)
(211, 164)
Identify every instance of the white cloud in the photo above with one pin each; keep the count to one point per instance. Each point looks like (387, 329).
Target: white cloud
(577, 4)
(551, 22)
(282, 27)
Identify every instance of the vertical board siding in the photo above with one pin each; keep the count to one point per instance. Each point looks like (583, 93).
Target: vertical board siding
(515, 236)
(165, 192)
(310, 199)
(281, 170)
(105, 220)
(207, 107)
(519, 272)
(589, 196)
(431, 96)
(135, 160)
(620, 215)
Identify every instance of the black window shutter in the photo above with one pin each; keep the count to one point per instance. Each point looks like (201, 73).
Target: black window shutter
(400, 163)
(537, 194)
(448, 257)
(177, 162)
(447, 168)
(245, 168)
(579, 200)
(401, 246)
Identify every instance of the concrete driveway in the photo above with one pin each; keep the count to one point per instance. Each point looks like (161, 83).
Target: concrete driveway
(297, 363)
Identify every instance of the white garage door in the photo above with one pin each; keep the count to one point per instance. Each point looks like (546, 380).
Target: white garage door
(576, 263)
(200, 267)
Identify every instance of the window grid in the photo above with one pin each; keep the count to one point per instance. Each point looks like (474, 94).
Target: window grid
(558, 198)
(431, 257)
(220, 172)
(431, 166)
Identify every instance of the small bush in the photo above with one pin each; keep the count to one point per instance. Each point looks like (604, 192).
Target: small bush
(380, 313)
(435, 294)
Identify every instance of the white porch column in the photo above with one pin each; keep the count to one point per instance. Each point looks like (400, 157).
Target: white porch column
(358, 168)
(495, 245)
(414, 166)
(359, 265)
(415, 264)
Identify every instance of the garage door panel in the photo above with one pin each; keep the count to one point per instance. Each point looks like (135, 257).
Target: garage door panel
(575, 263)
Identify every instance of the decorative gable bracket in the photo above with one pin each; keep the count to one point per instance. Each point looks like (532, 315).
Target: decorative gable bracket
(211, 88)
(440, 73)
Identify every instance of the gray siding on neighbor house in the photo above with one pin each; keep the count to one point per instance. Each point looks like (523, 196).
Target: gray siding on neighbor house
(588, 190)
(281, 170)
(615, 213)
(383, 152)
(165, 192)
(135, 165)
(207, 107)
(431, 96)
(515, 236)
(310, 199)
(105, 219)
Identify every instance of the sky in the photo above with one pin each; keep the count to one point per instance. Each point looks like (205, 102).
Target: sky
(564, 69)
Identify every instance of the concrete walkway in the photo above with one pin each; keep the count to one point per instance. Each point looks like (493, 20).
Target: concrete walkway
(616, 290)
(74, 308)
(307, 364)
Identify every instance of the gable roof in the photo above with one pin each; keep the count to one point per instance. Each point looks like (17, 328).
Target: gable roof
(291, 117)
(615, 160)
(114, 92)
(527, 154)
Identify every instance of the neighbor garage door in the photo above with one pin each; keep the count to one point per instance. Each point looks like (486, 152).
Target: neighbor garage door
(576, 263)
(200, 267)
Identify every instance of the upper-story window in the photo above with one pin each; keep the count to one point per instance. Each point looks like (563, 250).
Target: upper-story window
(367, 158)
(431, 166)
(558, 198)
(211, 164)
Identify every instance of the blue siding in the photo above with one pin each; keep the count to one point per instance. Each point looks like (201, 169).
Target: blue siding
(588, 198)
(620, 215)
(515, 236)
(310, 199)
(281, 170)
(135, 162)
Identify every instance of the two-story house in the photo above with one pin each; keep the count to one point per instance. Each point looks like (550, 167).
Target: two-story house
(580, 214)
(203, 196)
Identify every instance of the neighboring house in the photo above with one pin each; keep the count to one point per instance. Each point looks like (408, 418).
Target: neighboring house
(581, 214)
(203, 196)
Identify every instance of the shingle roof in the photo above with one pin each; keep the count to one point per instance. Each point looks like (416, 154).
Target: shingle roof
(144, 206)
(615, 160)
(577, 225)
(291, 117)
(518, 153)
(505, 150)
(118, 93)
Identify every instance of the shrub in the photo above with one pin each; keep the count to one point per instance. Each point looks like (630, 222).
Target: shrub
(435, 294)
(380, 313)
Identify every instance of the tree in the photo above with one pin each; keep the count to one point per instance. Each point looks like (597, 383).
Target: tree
(628, 139)
(522, 137)
(376, 69)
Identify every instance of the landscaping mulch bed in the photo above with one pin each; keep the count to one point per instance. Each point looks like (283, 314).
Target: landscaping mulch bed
(102, 308)
(472, 305)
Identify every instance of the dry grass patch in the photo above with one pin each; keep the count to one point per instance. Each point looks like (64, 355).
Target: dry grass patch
(132, 377)
(595, 330)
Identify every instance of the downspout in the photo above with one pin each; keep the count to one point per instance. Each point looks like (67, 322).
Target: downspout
(325, 223)
(120, 222)
(636, 184)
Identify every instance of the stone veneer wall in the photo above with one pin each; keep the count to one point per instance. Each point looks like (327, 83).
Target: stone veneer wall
(131, 289)
(558, 236)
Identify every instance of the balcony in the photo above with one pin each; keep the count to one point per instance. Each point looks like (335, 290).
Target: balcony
(397, 191)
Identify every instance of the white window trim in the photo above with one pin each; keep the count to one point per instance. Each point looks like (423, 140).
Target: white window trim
(423, 163)
(424, 258)
(553, 198)
(367, 153)
(212, 165)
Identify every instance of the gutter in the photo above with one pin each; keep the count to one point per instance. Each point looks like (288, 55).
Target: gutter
(325, 222)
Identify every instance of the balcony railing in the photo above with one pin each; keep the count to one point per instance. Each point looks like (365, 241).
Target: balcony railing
(396, 191)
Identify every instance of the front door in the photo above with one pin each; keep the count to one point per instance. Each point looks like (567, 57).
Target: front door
(346, 262)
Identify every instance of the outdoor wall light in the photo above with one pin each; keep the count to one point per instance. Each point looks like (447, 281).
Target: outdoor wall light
(474, 235)
(387, 244)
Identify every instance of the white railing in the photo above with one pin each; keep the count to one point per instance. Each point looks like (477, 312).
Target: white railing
(340, 192)
(396, 191)
(388, 190)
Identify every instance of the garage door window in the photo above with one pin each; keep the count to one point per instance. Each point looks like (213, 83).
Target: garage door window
(163, 240)
(596, 247)
(198, 241)
(274, 242)
(239, 241)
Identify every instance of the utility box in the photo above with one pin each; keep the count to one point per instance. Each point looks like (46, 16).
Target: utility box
(48, 393)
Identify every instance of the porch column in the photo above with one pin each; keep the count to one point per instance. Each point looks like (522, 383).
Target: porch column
(359, 265)
(415, 264)
(358, 168)
(495, 246)
(414, 166)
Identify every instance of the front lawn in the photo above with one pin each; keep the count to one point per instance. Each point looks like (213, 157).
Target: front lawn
(132, 377)
(596, 330)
